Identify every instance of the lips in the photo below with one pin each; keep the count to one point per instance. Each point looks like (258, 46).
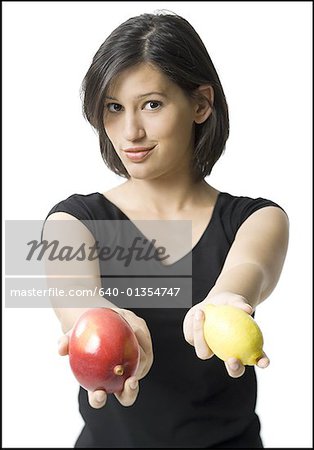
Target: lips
(138, 154)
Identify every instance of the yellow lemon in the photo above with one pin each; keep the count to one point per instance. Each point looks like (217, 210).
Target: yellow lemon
(230, 332)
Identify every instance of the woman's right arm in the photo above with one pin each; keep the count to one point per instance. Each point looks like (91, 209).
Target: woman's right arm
(76, 276)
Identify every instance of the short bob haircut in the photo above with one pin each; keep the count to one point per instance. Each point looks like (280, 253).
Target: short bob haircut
(170, 43)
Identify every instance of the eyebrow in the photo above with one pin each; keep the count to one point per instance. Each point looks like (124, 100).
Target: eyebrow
(142, 95)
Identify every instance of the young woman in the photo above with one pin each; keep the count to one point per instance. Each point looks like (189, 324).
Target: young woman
(155, 99)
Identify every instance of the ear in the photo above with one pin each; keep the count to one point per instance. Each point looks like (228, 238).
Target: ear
(204, 101)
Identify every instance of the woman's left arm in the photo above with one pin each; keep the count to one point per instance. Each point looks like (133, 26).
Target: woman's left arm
(249, 275)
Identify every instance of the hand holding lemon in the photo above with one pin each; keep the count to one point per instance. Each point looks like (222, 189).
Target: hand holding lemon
(224, 327)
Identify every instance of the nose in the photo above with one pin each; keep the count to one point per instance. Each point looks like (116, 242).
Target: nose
(133, 128)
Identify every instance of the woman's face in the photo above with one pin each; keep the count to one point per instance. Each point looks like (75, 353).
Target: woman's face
(150, 122)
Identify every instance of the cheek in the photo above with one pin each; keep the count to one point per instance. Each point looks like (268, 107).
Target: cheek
(171, 126)
(111, 130)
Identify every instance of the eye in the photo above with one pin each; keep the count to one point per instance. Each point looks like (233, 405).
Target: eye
(114, 107)
(152, 105)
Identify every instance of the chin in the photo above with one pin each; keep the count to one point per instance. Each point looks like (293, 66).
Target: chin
(141, 173)
(139, 176)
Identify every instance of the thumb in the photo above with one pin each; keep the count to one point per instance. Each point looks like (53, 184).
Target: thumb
(244, 306)
(63, 345)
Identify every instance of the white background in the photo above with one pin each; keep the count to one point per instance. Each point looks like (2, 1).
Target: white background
(262, 52)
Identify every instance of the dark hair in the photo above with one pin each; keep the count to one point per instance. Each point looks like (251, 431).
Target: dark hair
(169, 42)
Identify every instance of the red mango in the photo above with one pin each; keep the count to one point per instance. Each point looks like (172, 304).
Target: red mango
(103, 350)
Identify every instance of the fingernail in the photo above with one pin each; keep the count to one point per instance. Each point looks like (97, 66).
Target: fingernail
(100, 396)
(263, 364)
(198, 314)
(235, 366)
(134, 384)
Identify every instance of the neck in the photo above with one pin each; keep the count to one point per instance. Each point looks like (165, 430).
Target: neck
(166, 197)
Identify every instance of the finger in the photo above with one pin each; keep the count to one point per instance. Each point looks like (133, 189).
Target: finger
(140, 330)
(201, 348)
(130, 392)
(234, 367)
(144, 340)
(263, 362)
(97, 399)
(146, 353)
(188, 327)
(244, 306)
(143, 365)
(63, 345)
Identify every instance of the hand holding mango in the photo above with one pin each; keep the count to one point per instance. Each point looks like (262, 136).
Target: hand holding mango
(232, 333)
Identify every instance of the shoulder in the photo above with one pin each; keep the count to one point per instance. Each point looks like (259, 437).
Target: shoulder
(244, 206)
(269, 221)
(235, 211)
(80, 206)
(84, 209)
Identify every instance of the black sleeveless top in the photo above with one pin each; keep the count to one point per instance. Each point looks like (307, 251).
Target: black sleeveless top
(184, 402)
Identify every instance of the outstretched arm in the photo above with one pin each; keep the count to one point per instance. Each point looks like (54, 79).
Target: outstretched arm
(250, 273)
(80, 276)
